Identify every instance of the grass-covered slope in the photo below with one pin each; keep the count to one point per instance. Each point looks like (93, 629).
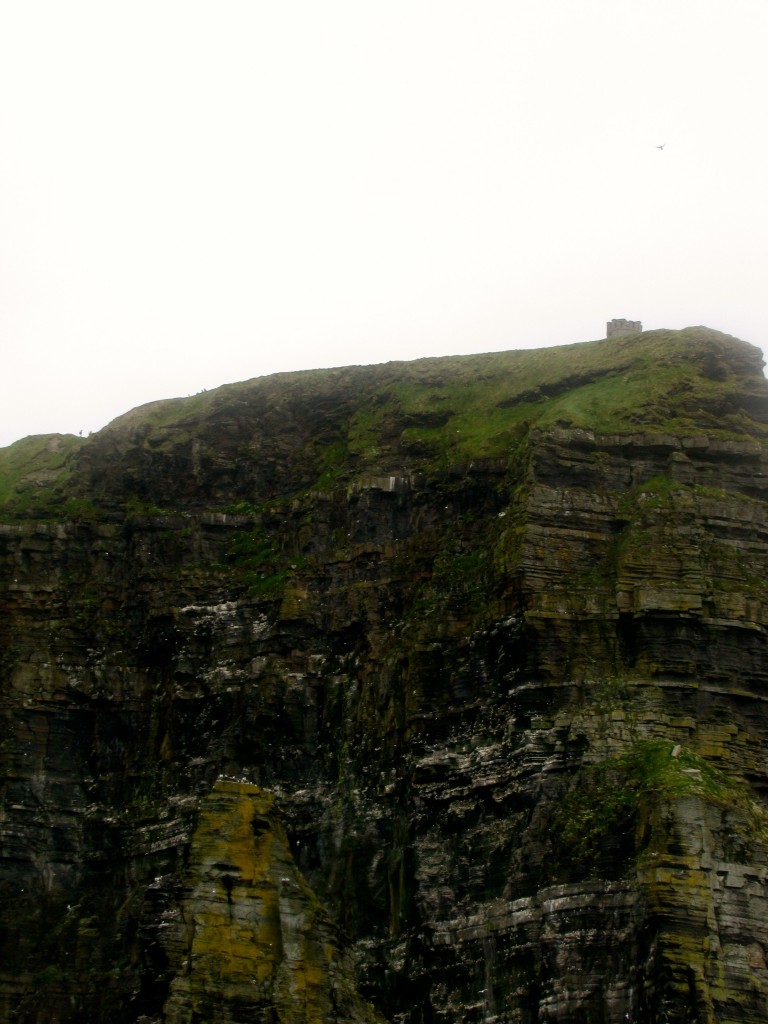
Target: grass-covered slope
(325, 428)
(34, 467)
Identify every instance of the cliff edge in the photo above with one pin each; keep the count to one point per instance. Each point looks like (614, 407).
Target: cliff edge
(422, 692)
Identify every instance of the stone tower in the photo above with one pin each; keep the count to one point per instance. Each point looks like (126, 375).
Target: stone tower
(622, 327)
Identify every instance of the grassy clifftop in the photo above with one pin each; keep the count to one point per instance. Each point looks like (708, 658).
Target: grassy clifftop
(417, 416)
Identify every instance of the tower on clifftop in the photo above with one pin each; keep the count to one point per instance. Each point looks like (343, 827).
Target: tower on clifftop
(622, 327)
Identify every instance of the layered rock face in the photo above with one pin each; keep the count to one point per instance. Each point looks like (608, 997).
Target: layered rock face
(414, 694)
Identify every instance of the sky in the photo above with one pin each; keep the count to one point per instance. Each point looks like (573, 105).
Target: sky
(194, 193)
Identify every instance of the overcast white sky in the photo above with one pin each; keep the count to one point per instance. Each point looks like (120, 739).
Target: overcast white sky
(193, 193)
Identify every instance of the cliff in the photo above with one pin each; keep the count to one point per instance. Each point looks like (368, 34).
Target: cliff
(423, 692)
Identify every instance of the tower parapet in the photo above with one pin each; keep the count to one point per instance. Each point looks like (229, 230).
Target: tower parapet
(622, 326)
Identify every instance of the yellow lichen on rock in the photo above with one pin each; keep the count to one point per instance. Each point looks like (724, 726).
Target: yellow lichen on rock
(260, 945)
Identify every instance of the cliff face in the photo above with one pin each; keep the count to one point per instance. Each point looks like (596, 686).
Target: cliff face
(417, 693)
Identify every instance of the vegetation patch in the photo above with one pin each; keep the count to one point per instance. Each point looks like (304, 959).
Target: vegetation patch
(458, 587)
(593, 832)
(673, 771)
(33, 472)
(255, 560)
(333, 461)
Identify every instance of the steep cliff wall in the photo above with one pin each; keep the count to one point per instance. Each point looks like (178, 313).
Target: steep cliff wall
(418, 693)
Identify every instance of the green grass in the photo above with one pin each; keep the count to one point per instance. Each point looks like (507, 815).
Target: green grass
(421, 416)
(252, 550)
(33, 468)
(457, 408)
(594, 826)
(166, 412)
(653, 768)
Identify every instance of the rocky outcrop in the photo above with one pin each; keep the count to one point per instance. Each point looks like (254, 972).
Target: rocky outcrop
(252, 942)
(343, 698)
